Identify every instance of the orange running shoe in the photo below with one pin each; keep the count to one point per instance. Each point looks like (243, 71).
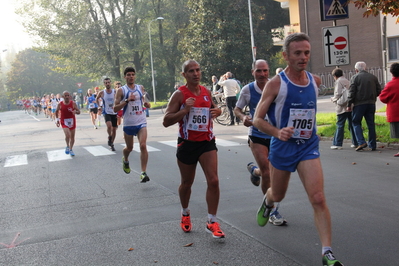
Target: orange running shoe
(214, 229)
(185, 223)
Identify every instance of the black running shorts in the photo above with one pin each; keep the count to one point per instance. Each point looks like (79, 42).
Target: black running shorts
(188, 152)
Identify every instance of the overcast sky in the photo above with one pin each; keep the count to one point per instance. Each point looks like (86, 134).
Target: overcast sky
(11, 31)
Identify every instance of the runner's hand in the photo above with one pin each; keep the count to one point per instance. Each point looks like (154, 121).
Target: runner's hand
(285, 133)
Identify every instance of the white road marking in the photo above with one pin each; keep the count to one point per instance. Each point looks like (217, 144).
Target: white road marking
(136, 147)
(99, 150)
(172, 143)
(16, 160)
(57, 155)
(226, 143)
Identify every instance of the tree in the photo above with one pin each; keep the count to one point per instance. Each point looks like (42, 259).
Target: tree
(32, 74)
(218, 35)
(91, 36)
(374, 7)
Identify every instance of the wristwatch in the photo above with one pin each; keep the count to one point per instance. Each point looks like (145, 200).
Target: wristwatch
(126, 100)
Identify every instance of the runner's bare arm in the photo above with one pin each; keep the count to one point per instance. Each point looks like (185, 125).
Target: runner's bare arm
(147, 104)
(268, 95)
(76, 108)
(215, 110)
(99, 96)
(118, 103)
(57, 119)
(173, 113)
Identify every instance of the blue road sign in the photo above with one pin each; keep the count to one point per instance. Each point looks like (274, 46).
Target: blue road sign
(333, 9)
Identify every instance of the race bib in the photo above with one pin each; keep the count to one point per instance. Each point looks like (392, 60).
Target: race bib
(303, 122)
(110, 108)
(91, 105)
(135, 108)
(198, 119)
(68, 122)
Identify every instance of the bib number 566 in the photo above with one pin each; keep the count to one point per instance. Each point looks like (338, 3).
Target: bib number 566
(199, 119)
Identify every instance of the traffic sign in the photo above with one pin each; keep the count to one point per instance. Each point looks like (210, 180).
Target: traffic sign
(80, 90)
(79, 84)
(336, 46)
(333, 9)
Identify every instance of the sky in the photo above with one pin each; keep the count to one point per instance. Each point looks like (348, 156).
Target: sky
(11, 31)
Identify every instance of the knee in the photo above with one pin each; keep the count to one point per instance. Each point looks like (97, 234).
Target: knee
(213, 183)
(318, 199)
(186, 184)
(143, 147)
(129, 148)
(278, 197)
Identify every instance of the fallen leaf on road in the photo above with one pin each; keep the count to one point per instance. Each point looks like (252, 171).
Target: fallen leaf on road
(130, 249)
(353, 163)
(188, 245)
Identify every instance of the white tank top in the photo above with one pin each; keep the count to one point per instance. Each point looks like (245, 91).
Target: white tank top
(108, 102)
(133, 113)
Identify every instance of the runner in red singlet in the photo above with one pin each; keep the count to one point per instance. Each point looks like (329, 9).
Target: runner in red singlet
(67, 110)
(192, 107)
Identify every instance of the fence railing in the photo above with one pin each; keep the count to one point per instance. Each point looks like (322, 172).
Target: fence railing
(328, 80)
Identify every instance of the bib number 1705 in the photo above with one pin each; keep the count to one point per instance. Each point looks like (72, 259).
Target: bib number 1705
(302, 123)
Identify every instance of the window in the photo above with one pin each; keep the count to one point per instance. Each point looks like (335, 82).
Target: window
(393, 46)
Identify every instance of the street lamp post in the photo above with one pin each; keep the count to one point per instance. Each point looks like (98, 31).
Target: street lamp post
(152, 64)
(252, 32)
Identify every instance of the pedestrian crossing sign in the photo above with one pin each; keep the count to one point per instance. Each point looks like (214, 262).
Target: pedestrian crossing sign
(334, 9)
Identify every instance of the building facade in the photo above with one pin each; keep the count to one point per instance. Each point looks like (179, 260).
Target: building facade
(374, 40)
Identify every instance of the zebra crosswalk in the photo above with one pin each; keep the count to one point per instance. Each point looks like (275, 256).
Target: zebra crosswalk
(59, 155)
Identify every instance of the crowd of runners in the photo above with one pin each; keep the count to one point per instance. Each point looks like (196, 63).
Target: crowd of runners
(282, 134)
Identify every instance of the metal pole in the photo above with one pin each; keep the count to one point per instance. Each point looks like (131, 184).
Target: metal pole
(252, 32)
(152, 63)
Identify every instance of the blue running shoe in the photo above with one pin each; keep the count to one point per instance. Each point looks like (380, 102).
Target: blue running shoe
(67, 150)
(254, 179)
(276, 218)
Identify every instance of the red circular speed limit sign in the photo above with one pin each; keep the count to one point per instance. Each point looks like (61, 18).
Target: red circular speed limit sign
(340, 43)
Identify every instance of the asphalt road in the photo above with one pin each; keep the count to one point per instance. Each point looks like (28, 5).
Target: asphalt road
(87, 211)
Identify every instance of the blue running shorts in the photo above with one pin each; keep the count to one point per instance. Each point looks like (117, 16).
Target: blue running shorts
(133, 130)
(286, 155)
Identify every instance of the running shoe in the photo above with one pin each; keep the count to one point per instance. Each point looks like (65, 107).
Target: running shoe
(263, 213)
(214, 229)
(254, 179)
(71, 153)
(144, 177)
(95, 127)
(330, 260)
(276, 218)
(125, 166)
(67, 150)
(185, 223)
(99, 124)
(112, 147)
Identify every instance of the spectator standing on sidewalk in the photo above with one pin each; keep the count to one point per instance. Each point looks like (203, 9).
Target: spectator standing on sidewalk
(341, 84)
(390, 96)
(363, 93)
(230, 90)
